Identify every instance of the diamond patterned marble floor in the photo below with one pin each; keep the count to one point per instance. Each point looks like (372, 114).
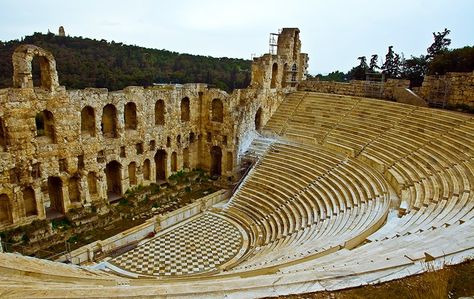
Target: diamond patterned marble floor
(200, 245)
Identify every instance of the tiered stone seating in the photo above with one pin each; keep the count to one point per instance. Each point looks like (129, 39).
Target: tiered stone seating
(293, 180)
(316, 205)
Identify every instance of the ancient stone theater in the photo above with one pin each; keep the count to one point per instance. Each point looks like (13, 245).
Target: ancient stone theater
(342, 189)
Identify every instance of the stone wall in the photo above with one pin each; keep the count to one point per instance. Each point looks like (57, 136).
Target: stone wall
(452, 88)
(62, 149)
(357, 88)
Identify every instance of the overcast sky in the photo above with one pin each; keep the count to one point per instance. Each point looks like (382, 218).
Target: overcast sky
(333, 33)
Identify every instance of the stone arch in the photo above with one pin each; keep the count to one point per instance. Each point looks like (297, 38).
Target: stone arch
(5, 209)
(74, 185)
(22, 67)
(109, 121)
(146, 170)
(160, 113)
(284, 75)
(88, 121)
(55, 206)
(160, 164)
(29, 200)
(274, 75)
(3, 135)
(174, 162)
(130, 116)
(216, 161)
(258, 119)
(113, 174)
(132, 173)
(92, 183)
(217, 111)
(186, 158)
(185, 110)
(44, 121)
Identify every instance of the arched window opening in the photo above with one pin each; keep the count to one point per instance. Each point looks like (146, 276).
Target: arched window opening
(88, 121)
(217, 111)
(92, 183)
(294, 68)
(146, 170)
(114, 180)
(40, 72)
(29, 200)
(74, 189)
(185, 110)
(216, 161)
(274, 75)
(109, 121)
(5, 209)
(130, 116)
(192, 137)
(174, 162)
(168, 141)
(55, 206)
(3, 135)
(186, 158)
(160, 113)
(178, 140)
(160, 165)
(45, 125)
(132, 173)
(258, 119)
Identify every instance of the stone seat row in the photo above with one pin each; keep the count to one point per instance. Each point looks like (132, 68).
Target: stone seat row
(15, 266)
(322, 238)
(295, 189)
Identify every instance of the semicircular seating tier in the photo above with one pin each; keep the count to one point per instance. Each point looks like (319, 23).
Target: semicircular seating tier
(346, 191)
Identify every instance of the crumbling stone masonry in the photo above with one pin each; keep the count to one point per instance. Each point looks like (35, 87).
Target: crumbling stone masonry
(63, 149)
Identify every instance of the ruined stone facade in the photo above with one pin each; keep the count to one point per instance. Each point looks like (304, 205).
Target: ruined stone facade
(62, 149)
(285, 69)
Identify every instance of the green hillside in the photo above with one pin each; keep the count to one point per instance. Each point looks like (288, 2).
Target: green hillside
(84, 62)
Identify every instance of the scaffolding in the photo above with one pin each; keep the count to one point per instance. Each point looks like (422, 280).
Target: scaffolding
(273, 43)
(374, 83)
(438, 94)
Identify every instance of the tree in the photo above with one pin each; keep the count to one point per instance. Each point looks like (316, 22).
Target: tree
(333, 76)
(414, 69)
(456, 60)
(391, 66)
(439, 45)
(373, 63)
(358, 72)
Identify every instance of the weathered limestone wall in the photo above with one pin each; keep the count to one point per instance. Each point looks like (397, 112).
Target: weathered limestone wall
(285, 69)
(357, 88)
(454, 88)
(63, 149)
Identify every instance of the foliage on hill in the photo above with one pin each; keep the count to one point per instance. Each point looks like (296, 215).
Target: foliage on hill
(83, 62)
(456, 60)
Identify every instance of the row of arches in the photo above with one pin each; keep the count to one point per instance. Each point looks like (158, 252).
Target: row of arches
(45, 123)
(29, 202)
